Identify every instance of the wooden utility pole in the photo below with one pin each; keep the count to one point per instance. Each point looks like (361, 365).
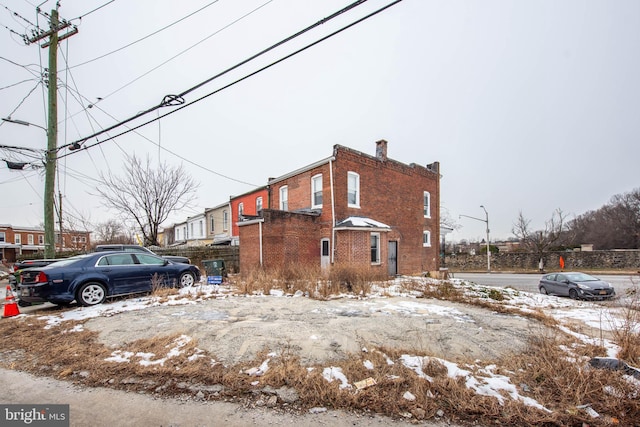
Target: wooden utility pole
(52, 128)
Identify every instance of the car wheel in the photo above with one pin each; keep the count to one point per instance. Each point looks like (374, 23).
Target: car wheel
(573, 294)
(543, 290)
(24, 303)
(91, 293)
(187, 279)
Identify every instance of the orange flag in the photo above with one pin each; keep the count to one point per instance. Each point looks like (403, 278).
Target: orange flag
(561, 263)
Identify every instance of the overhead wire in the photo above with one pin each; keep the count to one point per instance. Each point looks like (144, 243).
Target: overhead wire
(296, 52)
(145, 37)
(185, 50)
(172, 100)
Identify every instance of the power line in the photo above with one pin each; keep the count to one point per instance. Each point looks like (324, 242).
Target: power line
(145, 37)
(184, 51)
(308, 46)
(173, 100)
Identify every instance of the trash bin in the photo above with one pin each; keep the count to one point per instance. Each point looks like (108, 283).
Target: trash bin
(215, 270)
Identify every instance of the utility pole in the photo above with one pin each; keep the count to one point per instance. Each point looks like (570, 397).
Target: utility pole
(52, 127)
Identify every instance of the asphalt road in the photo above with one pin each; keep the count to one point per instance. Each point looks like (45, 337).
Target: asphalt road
(529, 282)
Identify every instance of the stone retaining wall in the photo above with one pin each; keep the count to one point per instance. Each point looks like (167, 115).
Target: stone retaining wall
(589, 260)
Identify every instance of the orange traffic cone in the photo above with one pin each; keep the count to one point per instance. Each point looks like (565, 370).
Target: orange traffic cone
(10, 305)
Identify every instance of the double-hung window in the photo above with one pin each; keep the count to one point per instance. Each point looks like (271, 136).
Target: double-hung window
(353, 190)
(316, 191)
(375, 248)
(427, 204)
(284, 198)
(426, 238)
(258, 204)
(225, 220)
(240, 210)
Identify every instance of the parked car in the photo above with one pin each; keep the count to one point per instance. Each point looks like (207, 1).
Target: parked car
(91, 278)
(138, 248)
(18, 266)
(575, 285)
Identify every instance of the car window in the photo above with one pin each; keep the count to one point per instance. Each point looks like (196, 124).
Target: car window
(117, 259)
(149, 259)
(561, 278)
(550, 277)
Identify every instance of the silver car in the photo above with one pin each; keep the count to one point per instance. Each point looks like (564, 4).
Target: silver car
(575, 285)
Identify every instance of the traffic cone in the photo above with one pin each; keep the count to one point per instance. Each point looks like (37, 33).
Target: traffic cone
(10, 306)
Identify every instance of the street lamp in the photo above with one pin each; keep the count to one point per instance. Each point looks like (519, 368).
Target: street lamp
(22, 122)
(486, 221)
(488, 249)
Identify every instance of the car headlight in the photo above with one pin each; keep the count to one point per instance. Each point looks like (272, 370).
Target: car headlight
(581, 286)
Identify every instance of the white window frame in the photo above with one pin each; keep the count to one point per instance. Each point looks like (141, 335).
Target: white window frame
(225, 220)
(240, 210)
(377, 253)
(212, 223)
(258, 204)
(3, 236)
(284, 198)
(40, 239)
(201, 226)
(17, 238)
(427, 204)
(30, 239)
(315, 181)
(426, 238)
(356, 177)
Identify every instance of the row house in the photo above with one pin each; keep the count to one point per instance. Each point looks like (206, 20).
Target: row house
(246, 206)
(351, 209)
(219, 228)
(26, 241)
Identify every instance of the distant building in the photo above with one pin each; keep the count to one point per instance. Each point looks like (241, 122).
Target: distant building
(18, 242)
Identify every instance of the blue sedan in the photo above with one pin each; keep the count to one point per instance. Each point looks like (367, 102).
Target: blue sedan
(90, 279)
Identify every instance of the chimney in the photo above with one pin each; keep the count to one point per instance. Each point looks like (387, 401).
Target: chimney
(381, 150)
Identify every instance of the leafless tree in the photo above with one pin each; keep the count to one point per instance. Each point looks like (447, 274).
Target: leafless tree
(112, 231)
(146, 195)
(541, 241)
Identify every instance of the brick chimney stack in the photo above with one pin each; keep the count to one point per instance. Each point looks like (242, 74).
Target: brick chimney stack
(381, 150)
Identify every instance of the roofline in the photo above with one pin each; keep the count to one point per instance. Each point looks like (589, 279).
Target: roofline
(363, 228)
(303, 169)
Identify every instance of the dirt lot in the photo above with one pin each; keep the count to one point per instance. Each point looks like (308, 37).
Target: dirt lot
(236, 329)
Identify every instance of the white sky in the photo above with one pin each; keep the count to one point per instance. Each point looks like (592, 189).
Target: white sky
(528, 106)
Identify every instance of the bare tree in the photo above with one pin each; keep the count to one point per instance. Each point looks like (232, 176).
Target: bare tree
(147, 195)
(112, 231)
(540, 241)
(615, 225)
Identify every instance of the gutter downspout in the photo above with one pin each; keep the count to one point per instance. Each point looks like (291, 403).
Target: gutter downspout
(333, 213)
(260, 238)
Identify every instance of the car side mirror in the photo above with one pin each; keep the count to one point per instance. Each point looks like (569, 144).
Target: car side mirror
(165, 262)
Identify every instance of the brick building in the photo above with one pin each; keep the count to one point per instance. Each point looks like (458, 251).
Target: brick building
(18, 242)
(348, 209)
(245, 206)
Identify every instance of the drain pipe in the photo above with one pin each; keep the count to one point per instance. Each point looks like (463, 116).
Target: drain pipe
(333, 213)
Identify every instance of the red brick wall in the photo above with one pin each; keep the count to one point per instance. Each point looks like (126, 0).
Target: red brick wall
(288, 239)
(390, 192)
(249, 202)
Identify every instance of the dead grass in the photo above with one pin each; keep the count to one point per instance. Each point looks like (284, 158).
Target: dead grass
(311, 281)
(553, 370)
